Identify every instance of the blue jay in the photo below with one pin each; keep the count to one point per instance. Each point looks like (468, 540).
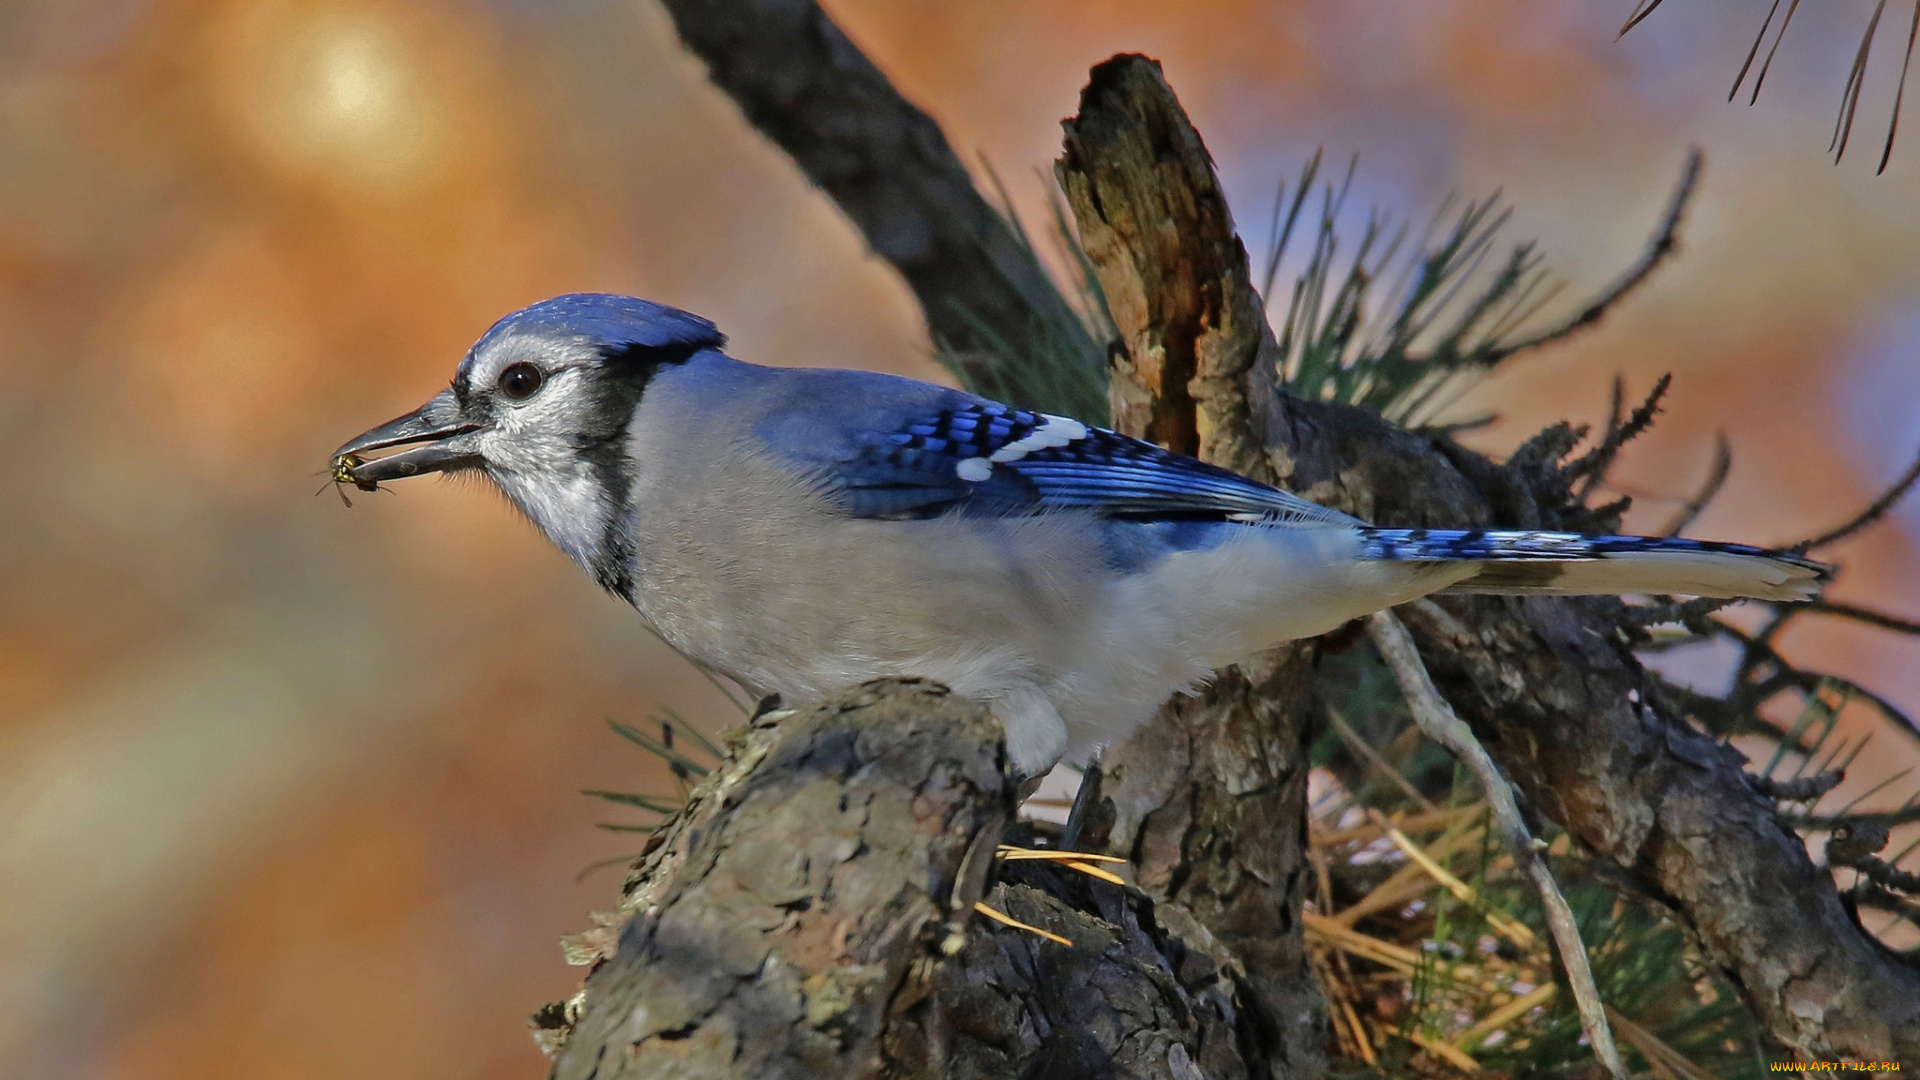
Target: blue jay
(805, 530)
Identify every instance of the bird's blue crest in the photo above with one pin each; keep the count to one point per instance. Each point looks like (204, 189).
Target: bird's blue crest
(613, 321)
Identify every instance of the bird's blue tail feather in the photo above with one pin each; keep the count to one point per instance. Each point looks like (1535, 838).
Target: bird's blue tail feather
(1573, 564)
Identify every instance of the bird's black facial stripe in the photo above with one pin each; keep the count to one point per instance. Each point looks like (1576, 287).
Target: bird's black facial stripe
(623, 377)
(475, 407)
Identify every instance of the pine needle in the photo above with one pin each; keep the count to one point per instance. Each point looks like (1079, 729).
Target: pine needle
(1447, 1052)
(1409, 881)
(657, 748)
(1663, 1059)
(683, 724)
(1507, 1014)
(1513, 931)
(1410, 824)
(1016, 854)
(1856, 81)
(627, 798)
(1372, 758)
(1094, 871)
(1755, 50)
(1900, 95)
(1360, 1040)
(1008, 920)
(1348, 940)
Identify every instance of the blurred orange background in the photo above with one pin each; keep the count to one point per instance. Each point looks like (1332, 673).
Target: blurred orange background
(288, 790)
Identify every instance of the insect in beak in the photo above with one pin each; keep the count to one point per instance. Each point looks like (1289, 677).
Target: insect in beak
(435, 438)
(341, 472)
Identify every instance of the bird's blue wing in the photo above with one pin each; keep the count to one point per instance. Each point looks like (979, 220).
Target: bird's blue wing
(974, 456)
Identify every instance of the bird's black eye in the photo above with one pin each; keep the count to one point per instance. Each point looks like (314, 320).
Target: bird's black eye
(520, 381)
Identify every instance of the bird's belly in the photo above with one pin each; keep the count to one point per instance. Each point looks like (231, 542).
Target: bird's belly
(982, 607)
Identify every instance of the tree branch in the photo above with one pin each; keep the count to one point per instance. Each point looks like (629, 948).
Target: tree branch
(1210, 799)
(807, 914)
(798, 79)
(1153, 221)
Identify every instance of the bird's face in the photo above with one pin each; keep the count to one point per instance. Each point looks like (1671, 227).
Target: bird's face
(541, 405)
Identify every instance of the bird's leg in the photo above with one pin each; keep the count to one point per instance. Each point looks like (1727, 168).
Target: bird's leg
(1083, 800)
(1027, 788)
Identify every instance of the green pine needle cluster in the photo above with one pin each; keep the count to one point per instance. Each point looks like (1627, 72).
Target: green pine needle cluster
(1396, 327)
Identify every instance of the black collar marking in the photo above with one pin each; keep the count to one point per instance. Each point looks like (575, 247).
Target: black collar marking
(625, 371)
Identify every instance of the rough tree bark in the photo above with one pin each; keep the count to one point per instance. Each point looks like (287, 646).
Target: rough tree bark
(1209, 801)
(810, 914)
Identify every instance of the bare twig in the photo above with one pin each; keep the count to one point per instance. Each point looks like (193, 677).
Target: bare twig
(1904, 816)
(1875, 510)
(1716, 478)
(1869, 893)
(1368, 754)
(1881, 619)
(1665, 243)
(1437, 719)
(1691, 614)
(1593, 466)
(1856, 845)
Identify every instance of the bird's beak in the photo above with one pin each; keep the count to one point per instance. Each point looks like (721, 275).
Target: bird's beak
(438, 424)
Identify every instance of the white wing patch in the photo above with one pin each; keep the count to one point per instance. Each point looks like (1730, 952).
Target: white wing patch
(1054, 431)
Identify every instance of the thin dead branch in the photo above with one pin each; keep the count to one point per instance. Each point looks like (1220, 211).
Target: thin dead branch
(1897, 623)
(1365, 752)
(1716, 479)
(1665, 243)
(1436, 718)
(1874, 511)
(1798, 789)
